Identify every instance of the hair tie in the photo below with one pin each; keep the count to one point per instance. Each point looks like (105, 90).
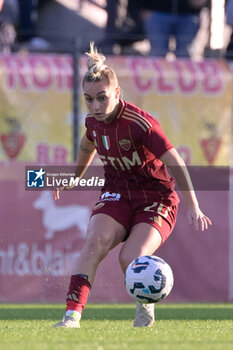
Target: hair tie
(96, 68)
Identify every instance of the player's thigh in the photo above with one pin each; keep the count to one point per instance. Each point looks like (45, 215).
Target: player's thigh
(104, 232)
(144, 239)
(113, 216)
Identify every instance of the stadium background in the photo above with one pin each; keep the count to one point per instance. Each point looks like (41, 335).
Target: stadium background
(38, 243)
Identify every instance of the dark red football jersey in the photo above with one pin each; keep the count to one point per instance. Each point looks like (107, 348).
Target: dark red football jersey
(130, 147)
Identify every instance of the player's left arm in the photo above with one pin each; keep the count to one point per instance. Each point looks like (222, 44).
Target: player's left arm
(175, 163)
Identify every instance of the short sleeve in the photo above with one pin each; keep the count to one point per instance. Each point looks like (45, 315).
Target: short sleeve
(88, 131)
(156, 141)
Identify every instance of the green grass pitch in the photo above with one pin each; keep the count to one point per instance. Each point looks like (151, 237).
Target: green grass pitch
(109, 327)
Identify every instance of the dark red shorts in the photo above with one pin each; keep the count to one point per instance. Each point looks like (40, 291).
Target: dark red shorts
(128, 214)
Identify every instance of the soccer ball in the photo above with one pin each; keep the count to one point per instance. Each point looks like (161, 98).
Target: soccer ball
(149, 279)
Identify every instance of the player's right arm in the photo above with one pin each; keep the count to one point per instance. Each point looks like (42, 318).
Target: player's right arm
(86, 153)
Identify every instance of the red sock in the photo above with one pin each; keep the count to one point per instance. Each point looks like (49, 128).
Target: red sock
(77, 294)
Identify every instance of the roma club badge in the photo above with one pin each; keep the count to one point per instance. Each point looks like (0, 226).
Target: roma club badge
(13, 141)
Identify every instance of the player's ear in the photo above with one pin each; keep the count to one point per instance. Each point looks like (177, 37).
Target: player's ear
(117, 92)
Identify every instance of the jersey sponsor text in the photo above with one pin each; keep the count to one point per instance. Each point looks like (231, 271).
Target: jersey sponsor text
(123, 163)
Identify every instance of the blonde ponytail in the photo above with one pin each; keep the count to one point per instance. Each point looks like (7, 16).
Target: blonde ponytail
(97, 69)
(96, 60)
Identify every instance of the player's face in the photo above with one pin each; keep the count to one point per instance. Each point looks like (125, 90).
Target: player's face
(102, 99)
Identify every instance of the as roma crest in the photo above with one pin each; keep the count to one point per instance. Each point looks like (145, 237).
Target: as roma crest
(210, 147)
(125, 144)
(13, 141)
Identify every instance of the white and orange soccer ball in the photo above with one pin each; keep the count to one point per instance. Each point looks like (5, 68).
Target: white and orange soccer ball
(149, 279)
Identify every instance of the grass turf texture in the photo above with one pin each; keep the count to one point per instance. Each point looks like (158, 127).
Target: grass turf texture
(109, 327)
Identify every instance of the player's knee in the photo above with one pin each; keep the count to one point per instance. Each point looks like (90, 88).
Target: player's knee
(99, 243)
(105, 240)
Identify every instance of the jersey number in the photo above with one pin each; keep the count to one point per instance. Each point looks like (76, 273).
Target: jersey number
(161, 210)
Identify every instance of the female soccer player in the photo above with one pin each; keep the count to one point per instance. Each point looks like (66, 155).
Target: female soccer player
(138, 204)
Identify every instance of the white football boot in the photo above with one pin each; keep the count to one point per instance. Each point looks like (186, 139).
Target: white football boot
(68, 322)
(145, 315)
